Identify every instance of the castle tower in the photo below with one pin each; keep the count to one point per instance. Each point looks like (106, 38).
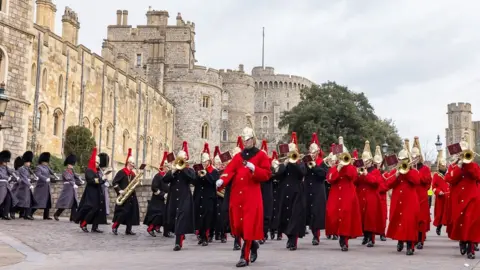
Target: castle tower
(237, 101)
(460, 123)
(46, 14)
(157, 18)
(274, 94)
(70, 26)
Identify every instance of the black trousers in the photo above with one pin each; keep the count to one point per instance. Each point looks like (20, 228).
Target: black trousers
(73, 212)
(46, 212)
(6, 206)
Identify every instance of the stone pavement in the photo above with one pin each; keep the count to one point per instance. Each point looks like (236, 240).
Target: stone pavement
(62, 245)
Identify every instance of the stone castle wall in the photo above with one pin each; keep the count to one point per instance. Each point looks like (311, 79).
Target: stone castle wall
(238, 89)
(459, 124)
(274, 94)
(16, 37)
(109, 103)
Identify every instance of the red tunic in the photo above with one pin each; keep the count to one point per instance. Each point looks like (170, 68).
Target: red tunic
(422, 193)
(383, 200)
(465, 202)
(404, 206)
(343, 210)
(370, 202)
(246, 205)
(439, 185)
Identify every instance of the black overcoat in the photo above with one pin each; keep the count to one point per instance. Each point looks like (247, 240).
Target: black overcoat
(156, 205)
(129, 212)
(316, 198)
(205, 196)
(92, 205)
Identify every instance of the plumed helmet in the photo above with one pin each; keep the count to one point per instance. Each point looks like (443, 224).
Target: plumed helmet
(70, 160)
(416, 149)
(314, 144)
(5, 156)
(367, 154)
(293, 145)
(340, 141)
(18, 163)
(27, 156)
(248, 131)
(205, 153)
(129, 157)
(378, 159)
(44, 157)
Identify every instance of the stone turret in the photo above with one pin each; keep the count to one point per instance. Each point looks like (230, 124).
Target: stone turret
(70, 26)
(157, 17)
(46, 14)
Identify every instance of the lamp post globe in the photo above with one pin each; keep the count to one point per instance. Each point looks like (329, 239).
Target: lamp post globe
(384, 147)
(438, 144)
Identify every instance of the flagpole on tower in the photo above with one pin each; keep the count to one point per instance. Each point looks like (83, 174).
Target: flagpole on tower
(263, 48)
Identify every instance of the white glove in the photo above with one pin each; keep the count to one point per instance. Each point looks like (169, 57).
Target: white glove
(121, 191)
(441, 193)
(9, 178)
(157, 192)
(75, 186)
(460, 163)
(165, 196)
(31, 187)
(48, 180)
(82, 182)
(219, 183)
(107, 184)
(250, 166)
(397, 173)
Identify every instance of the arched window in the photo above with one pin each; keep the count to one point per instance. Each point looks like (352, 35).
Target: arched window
(3, 6)
(288, 106)
(225, 96)
(44, 79)
(57, 122)
(33, 75)
(265, 105)
(41, 117)
(205, 131)
(111, 101)
(86, 122)
(270, 85)
(60, 86)
(264, 121)
(224, 115)
(3, 66)
(224, 136)
(125, 141)
(275, 84)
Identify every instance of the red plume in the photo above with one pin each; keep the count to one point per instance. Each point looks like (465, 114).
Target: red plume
(315, 139)
(185, 148)
(217, 151)
(165, 154)
(128, 156)
(92, 164)
(264, 146)
(294, 138)
(355, 154)
(274, 155)
(240, 142)
(206, 149)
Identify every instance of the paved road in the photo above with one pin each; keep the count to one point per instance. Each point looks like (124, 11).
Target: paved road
(57, 245)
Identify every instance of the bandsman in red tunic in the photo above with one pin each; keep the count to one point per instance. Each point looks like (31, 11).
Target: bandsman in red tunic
(404, 206)
(378, 162)
(422, 192)
(368, 184)
(441, 189)
(329, 161)
(463, 176)
(246, 172)
(343, 210)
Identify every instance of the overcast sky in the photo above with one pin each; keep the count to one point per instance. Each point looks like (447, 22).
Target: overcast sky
(410, 57)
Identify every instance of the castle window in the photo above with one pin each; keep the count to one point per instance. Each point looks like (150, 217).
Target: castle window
(60, 86)
(265, 122)
(265, 93)
(288, 94)
(3, 67)
(205, 131)
(3, 5)
(96, 129)
(225, 96)
(275, 84)
(224, 115)
(57, 118)
(86, 122)
(139, 59)
(288, 106)
(224, 136)
(33, 75)
(265, 105)
(109, 135)
(206, 102)
(110, 100)
(44, 80)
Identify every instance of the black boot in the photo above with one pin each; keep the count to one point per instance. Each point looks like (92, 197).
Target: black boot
(476, 247)
(316, 239)
(272, 235)
(463, 247)
(400, 246)
(383, 238)
(365, 239)
(343, 243)
(95, 228)
(254, 251)
(293, 242)
(12, 215)
(335, 237)
(178, 245)
(410, 249)
(370, 242)
(46, 214)
(236, 244)
(420, 241)
(242, 262)
(439, 229)
(470, 250)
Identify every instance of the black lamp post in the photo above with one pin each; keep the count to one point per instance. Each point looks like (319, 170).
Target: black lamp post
(438, 144)
(3, 104)
(385, 148)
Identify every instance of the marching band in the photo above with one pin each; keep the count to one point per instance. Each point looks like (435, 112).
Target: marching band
(247, 194)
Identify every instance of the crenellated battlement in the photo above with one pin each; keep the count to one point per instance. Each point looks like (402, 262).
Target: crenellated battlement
(459, 107)
(237, 76)
(198, 74)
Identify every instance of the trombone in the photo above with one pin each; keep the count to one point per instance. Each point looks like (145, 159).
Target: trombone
(293, 157)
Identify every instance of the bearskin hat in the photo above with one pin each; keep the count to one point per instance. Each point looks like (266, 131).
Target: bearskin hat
(44, 157)
(5, 156)
(27, 156)
(70, 160)
(18, 163)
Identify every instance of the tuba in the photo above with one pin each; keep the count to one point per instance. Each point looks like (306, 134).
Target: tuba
(130, 189)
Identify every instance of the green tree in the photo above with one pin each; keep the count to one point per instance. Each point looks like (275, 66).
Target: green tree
(332, 110)
(80, 142)
(56, 163)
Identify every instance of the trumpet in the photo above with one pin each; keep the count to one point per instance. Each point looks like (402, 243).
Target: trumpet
(180, 163)
(345, 159)
(361, 170)
(293, 157)
(467, 156)
(404, 167)
(202, 173)
(311, 164)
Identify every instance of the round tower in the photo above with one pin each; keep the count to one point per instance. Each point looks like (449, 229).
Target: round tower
(274, 94)
(237, 101)
(459, 123)
(197, 95)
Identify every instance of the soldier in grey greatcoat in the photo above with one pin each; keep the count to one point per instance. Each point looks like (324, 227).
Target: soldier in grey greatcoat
(7, 199)
(68, 199)
(23, 188)
(42, 193)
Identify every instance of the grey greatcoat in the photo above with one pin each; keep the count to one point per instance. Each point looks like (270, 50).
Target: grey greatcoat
(21, 189)
(5, 177)
(69, 198)
(42, 193)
